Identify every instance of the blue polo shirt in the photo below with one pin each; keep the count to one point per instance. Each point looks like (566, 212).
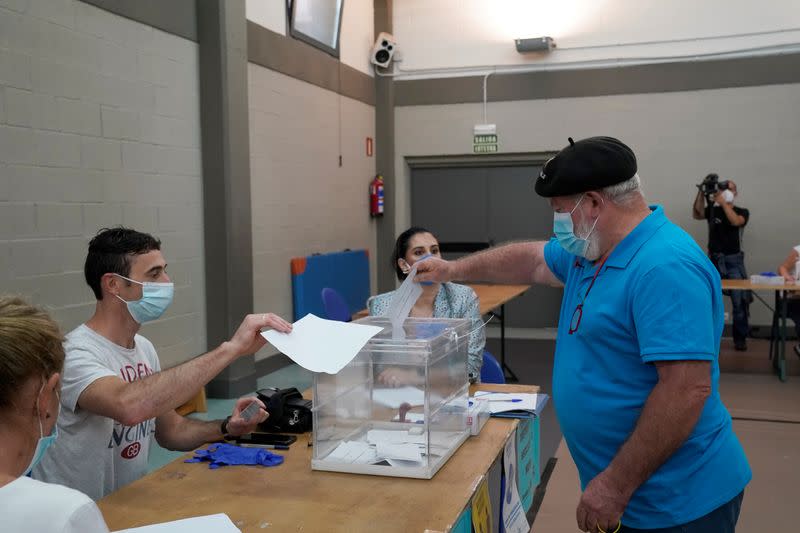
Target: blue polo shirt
(657, 298)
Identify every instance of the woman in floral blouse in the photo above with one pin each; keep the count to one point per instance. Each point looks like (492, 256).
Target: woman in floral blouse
(438, 300)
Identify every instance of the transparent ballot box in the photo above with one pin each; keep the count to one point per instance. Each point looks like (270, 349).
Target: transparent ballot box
(399, 408)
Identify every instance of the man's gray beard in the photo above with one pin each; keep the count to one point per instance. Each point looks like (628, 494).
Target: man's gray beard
(593, 251)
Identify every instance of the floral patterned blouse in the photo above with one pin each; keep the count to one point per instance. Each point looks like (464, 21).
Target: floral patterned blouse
(452, 301)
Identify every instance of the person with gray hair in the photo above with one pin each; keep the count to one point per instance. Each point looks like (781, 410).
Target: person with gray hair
(636, 373)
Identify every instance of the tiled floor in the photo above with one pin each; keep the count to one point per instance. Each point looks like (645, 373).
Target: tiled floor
(766, 418)
(289, 376)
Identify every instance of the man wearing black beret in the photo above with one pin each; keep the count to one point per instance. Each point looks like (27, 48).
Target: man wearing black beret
(636, 373)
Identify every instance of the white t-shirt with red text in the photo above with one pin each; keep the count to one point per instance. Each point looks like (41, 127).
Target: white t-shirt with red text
(96, 454)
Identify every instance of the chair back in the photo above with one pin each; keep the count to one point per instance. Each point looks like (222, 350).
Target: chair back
(335, 306)
(491, 371)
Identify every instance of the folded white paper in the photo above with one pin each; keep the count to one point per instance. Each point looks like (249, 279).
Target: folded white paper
(401, 452)
(402, 302)
(354, 452)
(322, 345)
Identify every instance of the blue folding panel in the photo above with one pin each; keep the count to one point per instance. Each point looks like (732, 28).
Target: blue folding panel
(347, 272)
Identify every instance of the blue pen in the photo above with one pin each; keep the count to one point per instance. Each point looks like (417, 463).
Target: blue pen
(512, 400)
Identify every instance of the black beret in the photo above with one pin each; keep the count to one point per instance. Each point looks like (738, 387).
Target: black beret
(586, 165)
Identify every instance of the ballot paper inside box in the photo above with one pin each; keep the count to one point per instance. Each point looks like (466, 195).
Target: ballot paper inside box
(399, 408)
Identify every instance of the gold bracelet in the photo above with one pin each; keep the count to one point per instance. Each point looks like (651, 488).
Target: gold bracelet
(601, 530)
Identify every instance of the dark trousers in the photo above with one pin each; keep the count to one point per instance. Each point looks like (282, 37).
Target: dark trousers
(721, 520)
(793, 312)
(731, 266)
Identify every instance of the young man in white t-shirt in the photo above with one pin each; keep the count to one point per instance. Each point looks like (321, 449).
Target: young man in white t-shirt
(115, 397)
(790, 270)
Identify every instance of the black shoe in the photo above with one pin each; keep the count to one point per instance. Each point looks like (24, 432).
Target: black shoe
(740, 346)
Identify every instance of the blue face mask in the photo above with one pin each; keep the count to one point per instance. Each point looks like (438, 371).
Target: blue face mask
(155, 299)
(565, 232)
(44, 442)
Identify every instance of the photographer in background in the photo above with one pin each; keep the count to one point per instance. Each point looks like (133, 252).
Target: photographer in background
(726, 222)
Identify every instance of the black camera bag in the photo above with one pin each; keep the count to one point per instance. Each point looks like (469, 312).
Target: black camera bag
(288, 411)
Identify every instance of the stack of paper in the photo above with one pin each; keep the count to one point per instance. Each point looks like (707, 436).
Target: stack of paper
(354, 452)
(397, 447)
(513, 404)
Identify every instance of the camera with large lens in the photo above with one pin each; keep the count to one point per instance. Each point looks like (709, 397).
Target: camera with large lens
(711, 185)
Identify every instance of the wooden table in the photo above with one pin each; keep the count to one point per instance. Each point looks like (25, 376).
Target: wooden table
(292, 497)
(490, 297)
(777, 337)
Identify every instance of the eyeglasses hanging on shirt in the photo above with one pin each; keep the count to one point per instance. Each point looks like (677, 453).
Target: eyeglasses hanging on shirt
(577, 315)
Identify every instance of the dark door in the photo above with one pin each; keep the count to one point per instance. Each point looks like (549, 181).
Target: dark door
(489, 205)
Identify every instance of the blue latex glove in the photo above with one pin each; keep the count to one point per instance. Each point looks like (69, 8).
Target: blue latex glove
(227, 454)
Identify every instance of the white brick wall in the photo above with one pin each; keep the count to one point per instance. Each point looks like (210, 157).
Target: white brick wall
(99, 126)
(302, 201)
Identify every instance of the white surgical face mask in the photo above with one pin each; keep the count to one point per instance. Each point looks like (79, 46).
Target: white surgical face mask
(727, 196)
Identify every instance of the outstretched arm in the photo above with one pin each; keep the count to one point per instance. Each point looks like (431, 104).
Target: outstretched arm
(157, 394)
(519, 262)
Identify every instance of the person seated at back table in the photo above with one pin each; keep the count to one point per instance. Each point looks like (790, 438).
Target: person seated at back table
(31, 362)
(790, 270)
(438, 300)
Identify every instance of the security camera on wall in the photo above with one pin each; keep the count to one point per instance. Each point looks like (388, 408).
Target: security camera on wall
(383, 50)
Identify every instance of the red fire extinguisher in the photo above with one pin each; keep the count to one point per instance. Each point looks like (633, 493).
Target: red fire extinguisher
(376, 196)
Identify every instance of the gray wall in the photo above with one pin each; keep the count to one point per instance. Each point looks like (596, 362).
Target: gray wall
(99, 126)
(748, 134)
(302, 200)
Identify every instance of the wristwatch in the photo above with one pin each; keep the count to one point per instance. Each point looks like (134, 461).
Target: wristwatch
(223, 428)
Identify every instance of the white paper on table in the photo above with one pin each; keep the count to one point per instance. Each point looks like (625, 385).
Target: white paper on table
(514, 520)
(393, 436)
(215, 523)
(400, 452)
(322, 345)
(394, 398)
(498, 405)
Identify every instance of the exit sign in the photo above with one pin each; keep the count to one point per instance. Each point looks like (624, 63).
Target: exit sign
(484, 139)
(484, 148)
